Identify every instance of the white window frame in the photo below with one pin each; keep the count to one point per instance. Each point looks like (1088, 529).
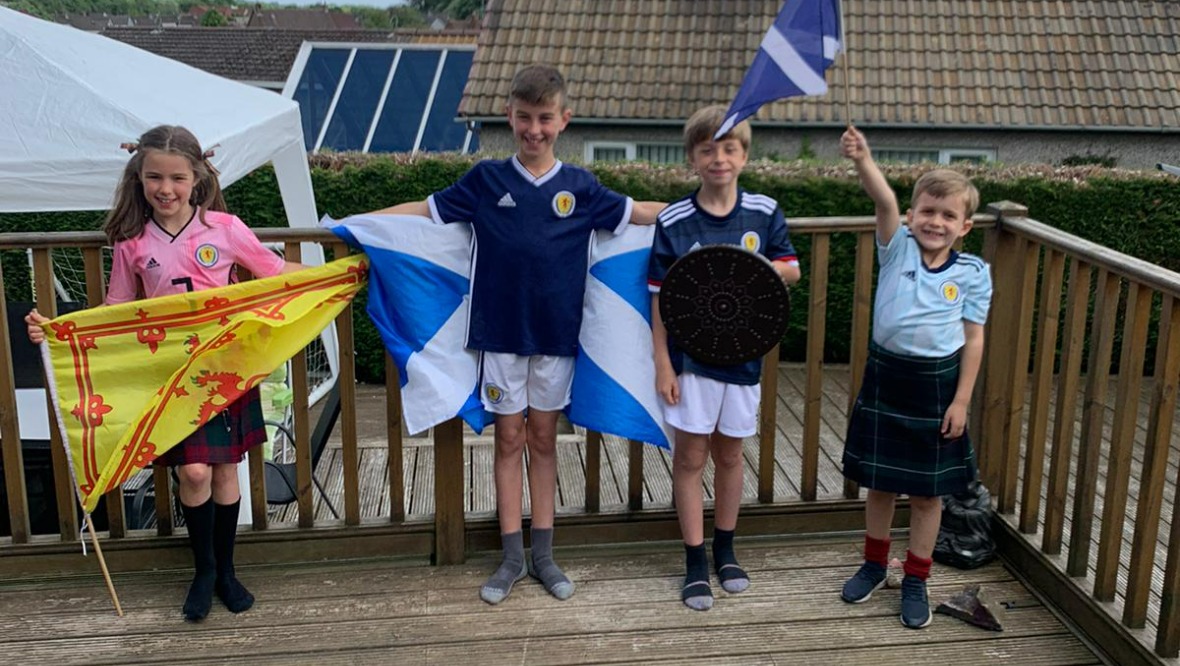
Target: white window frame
(591, 146)
(631, 148)
(945, 155)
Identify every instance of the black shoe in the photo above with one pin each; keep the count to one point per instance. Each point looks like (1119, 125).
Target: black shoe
(867, 580)
(915, 605)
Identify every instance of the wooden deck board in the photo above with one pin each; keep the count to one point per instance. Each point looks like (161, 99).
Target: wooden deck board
(626, 610)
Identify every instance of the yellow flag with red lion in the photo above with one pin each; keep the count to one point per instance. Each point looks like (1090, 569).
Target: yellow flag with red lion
(133, 380)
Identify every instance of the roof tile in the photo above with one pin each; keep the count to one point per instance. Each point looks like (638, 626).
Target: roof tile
(960, 62)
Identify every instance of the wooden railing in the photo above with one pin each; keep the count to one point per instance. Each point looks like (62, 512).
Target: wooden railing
(1115, 565)
(1028, 469)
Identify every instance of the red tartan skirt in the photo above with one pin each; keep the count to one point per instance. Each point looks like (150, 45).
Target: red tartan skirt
(225, 438)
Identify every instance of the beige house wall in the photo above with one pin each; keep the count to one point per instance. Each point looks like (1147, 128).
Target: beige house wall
(1130, 149)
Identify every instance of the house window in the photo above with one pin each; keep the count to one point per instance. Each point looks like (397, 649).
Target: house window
(943, 156)
(611, 151)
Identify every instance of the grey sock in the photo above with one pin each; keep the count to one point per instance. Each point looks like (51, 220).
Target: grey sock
(511, 569)
(545, 569)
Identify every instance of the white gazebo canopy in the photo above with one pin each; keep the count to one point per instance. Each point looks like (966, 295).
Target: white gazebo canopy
(68, 98)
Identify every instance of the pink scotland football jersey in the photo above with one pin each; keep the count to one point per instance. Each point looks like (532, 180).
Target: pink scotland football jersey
(201, 256)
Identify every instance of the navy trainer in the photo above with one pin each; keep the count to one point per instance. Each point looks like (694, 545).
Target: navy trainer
(867, 580)
(915, 605)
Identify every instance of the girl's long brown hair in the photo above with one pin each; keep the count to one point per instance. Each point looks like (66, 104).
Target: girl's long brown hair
(131, 209)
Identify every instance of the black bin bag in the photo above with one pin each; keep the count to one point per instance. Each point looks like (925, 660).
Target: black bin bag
(964, 538)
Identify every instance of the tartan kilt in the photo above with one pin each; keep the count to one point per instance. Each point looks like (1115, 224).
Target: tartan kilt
(225, 438)
(894, 441)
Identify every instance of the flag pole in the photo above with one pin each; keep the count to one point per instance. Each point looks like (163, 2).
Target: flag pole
(106, 573)
(847, 76)
(51, 385)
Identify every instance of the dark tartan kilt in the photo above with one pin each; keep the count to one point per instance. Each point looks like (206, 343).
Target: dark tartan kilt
(894, 442)
(225, 438)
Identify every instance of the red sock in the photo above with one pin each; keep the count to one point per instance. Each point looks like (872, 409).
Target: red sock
(917, 566)
(877, 550)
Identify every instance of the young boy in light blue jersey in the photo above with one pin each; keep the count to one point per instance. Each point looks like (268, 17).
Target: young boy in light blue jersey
(908, 430)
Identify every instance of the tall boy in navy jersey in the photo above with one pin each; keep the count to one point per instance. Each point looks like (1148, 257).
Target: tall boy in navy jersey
(533, 218)
(712, 407)
(907, 432)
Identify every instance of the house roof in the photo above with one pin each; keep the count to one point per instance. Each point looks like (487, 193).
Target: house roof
(303, 19)
(256, 54)
(967, 63)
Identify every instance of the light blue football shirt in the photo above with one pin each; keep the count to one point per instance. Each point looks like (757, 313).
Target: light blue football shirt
(920, 311)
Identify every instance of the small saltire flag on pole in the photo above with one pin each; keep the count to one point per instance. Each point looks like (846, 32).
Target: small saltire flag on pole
(797, 49)
(131, 381)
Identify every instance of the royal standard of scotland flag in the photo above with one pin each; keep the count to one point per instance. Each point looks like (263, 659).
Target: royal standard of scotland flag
(797, 49)
(418, 299)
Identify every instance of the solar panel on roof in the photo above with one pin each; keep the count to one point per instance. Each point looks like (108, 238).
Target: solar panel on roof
(382, 97)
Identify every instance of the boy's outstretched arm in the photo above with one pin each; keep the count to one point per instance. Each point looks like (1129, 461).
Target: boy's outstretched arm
(955, 420)
(856, 148)
(645, 212)
(408, 208)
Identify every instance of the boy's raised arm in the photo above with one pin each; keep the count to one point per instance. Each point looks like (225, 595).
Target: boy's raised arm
(856, 148)
(645, 212)
(407, 208)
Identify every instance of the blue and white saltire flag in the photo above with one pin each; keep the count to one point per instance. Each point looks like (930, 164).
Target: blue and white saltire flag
(797, 49)
(614, 388)
(419, 286)
(419, 292)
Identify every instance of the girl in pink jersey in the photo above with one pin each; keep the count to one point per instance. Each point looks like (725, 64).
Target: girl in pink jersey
(170, 235)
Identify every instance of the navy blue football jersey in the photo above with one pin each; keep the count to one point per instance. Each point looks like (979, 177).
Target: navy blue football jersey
(755, 223)
(532, 245)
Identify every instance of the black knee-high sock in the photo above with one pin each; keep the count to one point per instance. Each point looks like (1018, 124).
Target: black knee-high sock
(225, 529)
(733, 578)
(696, 593)
(199, 520)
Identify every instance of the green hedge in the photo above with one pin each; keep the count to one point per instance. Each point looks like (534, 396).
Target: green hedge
(1137, 213)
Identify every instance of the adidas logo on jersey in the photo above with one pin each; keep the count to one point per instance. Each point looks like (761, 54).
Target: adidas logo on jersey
(506, 202)
(152, 263)
(912, 276)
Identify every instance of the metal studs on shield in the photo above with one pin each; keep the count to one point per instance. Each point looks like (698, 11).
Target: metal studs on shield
(724, 305)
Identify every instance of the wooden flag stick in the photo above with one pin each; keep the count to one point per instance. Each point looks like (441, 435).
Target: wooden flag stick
(51, 386)
(847, 75)
(847, 90)
(106, 573)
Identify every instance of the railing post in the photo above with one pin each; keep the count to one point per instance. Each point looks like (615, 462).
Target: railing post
(634, 475)
(1006, 365)
(1151, 483)
(393, 433)
(14, 466)
(450, 524)
(1038, 412)
(862, 315)
(63, 478)
(1106, 305)
(814, 395)
(768, 426)
(302, 422)
(593, 471)
(347, 382)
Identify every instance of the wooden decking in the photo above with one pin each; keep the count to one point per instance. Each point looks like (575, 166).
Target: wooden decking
(626, 611)
(418, 467)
